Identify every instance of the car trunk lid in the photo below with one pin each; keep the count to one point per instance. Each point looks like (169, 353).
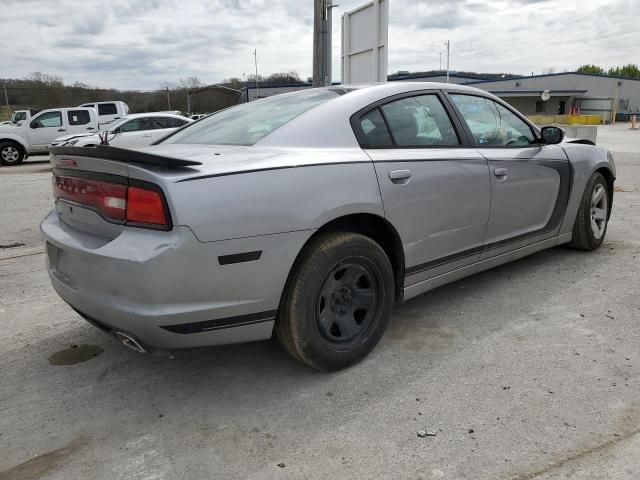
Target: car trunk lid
(97, 192)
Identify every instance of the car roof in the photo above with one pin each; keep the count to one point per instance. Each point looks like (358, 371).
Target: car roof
(151, 114)
(328, 122)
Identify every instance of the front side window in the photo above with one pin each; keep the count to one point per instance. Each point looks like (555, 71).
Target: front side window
(250, 122)
(49, 119)
(135, 125)
(491, 124)
(419, 121)
(107, 109)
(78, 117)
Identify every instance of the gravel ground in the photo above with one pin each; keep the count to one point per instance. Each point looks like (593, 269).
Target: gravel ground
(527, 371)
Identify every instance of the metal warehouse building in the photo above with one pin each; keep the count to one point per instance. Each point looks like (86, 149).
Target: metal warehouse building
(578, 93)
(598, 96)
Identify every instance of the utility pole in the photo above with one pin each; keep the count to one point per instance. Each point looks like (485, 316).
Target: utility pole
(319, 9)
(168, 98)
(255, 58)
(322, 30)
(448, 44)
(440, 62)
(6, 97)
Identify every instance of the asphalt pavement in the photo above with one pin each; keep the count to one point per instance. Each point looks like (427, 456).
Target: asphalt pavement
(527, 371)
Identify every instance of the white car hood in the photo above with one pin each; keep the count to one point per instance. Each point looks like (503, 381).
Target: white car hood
(73, 135)
(10, 127)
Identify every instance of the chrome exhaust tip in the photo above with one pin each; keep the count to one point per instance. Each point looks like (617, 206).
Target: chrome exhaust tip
(130, 342)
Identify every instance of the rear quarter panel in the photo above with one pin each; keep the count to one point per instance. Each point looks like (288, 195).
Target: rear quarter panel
(300, 196)
(585, 160)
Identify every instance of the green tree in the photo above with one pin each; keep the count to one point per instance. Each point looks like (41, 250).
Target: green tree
(593, 69)
(630, 70)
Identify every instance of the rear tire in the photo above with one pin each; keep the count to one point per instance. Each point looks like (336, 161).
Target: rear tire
(591, 222)
(338, 301)
(11, 153)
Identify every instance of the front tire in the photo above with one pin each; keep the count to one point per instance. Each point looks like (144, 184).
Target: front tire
(11, 153)
(338, 301)
(591, 222)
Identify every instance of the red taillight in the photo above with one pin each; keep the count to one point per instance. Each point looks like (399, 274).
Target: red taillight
(108, 199)
(119, 203)
(145, 206)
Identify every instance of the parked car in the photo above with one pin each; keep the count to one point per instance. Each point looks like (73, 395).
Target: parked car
(131, 131)
(18, 140)
(108, 111)
(311, 213)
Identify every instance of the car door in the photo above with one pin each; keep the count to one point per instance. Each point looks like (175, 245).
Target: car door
(45, 128)
(134, 133)
(529, 181)
(435, 188)
(79, 121)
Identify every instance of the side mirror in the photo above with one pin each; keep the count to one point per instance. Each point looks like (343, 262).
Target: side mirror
(552, 135)
(35, 125)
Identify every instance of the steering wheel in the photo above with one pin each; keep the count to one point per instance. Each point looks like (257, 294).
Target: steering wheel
(520, 139)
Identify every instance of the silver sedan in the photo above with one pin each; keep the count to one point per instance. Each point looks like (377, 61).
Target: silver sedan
(310, 214)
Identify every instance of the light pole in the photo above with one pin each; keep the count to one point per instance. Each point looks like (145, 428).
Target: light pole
(448, 44)
(255, 58)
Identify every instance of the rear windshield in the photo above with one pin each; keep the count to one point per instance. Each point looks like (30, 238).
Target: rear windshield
(248, 123)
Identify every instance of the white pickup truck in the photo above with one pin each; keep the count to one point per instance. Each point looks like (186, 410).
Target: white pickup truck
(109, 111)
(23, 115)
(19, 140)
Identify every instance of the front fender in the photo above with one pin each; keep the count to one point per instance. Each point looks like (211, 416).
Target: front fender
(16, 138)
(585, 160)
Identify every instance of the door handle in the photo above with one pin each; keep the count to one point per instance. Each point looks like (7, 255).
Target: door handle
(501, 173)
(400, 176)
(145, 136)
(62, 130)
(89, 128)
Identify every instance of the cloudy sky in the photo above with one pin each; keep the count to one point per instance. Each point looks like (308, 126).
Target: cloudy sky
(140, 44)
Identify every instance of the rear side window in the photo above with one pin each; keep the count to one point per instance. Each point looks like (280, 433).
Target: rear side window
(420, 121)
(136, 125)
(159, 123)
(375, 130)
(78, 117)
(107, 109)
(167, 122)
(176, 122)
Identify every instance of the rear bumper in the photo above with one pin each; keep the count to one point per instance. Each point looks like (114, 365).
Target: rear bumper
(167, 289)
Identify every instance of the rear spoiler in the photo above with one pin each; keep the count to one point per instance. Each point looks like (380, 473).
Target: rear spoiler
(123, 155)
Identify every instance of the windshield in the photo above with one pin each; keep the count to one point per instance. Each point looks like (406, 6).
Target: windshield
(248, 123)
